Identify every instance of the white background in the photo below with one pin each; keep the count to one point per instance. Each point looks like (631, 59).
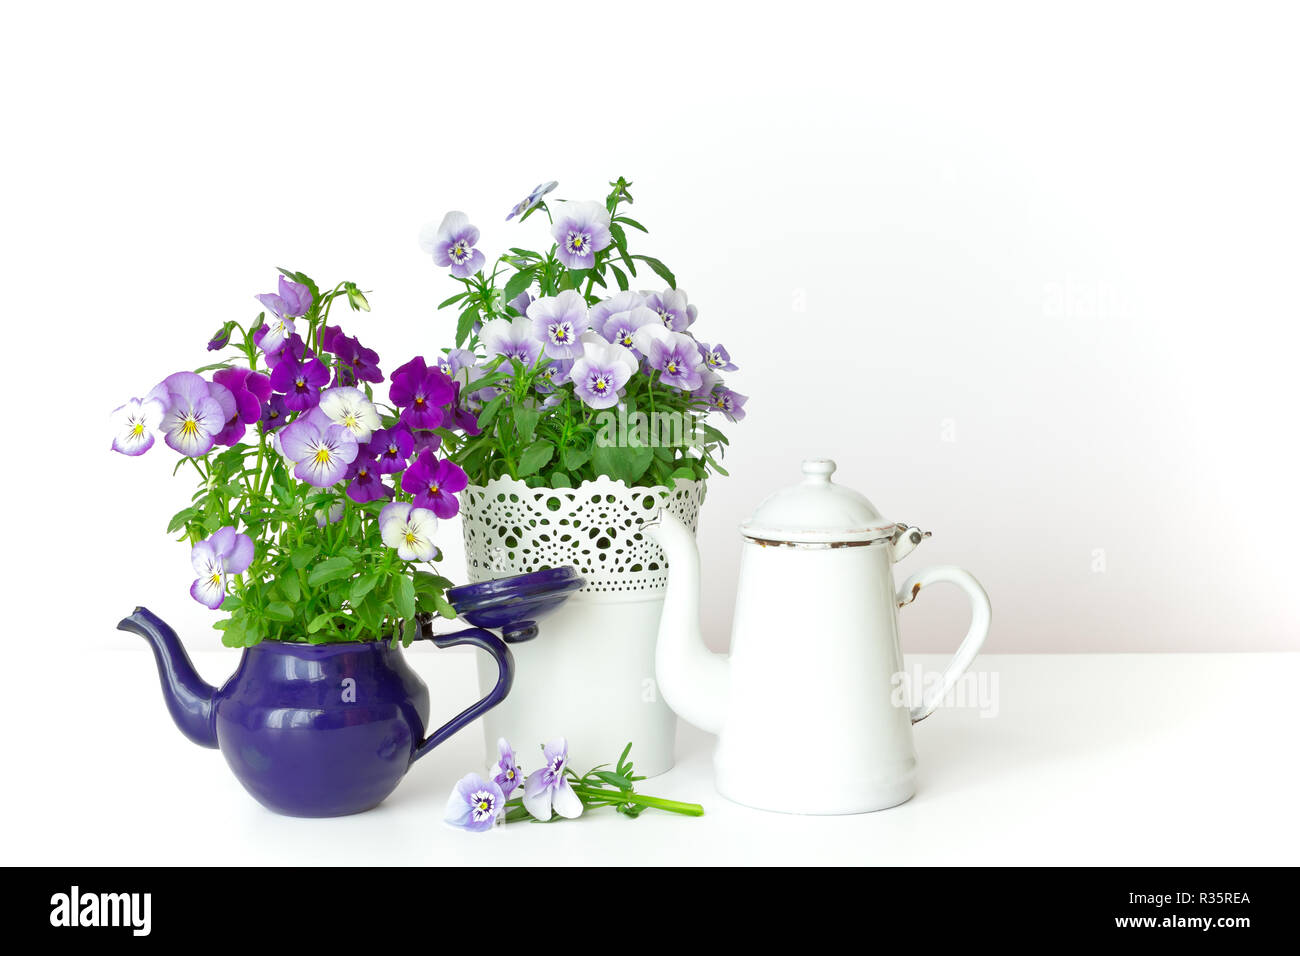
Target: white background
(1063, 238)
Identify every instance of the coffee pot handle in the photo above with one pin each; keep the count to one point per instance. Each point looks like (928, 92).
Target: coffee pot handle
(505, 661)
(981, 615)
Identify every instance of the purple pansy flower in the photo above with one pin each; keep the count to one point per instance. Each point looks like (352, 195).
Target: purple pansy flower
(408, 529)
(675, 356)
(505, 772)
(580, 230)
(602, 371)
(356, 363)
(291, 299)
(461, 417)
(475, 803)
(434, 482)
(532, 199)
(135, 422)
(621, 327)
(420, 392)
(366, 484)
(321, 451)
(512, 338)
(300, 380)
(225, 553)
(731, 404)
(194, 415)
(391, 447)
(274, 413)
(249, 390)
(452, 244)
(672, 308)
(559, 321)
(618, 302)
(548, 789)
(717, 358)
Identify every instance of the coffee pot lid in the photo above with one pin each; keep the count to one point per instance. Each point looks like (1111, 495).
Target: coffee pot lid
(817, 511)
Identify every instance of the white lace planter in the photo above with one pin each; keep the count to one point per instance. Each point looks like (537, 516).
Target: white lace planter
(590, 675)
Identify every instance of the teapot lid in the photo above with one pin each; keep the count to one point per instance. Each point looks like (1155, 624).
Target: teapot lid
(817, 511)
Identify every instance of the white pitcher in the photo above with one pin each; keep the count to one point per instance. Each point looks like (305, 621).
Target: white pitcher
(806, 708)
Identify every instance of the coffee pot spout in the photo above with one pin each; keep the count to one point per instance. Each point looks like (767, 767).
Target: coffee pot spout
(189, 698)
(693, 680)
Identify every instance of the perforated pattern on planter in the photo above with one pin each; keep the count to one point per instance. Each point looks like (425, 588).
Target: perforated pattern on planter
(513, 529)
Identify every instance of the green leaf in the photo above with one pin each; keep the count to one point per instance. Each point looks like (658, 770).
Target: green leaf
(560, 479)
(331, 569)
(444, 607)
(404, 596)
(517, 283)
(575, 456)
(660, 269)
(320, 620)
(452, 300)
(489, 413)
(631, 222)
(466, 324)
(361, 587)
(620, 277)
(181, 519)
(291, 588)
(526, 422)
(534, 458)
(303, 557)
(278, 611)
(628, 463)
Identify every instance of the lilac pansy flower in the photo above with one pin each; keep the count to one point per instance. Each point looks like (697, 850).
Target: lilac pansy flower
(731, 404)
(321, 451)
(602, 371)
(289, 301)
(408, 529)
(223, 554)
(717, 358)
(559, 321)
(675, 356)
(580, 230)
(475, 803)
(532, 199)
(194, 416)
(505, 772)
(522, 301)
(434, 483)
(672, 308)
(452, 243)
(274, 413)
(512, 338)
(421, 393)
(135, 422)
(621, 327)
(548, 789)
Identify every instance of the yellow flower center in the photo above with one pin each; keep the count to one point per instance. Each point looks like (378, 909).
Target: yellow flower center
(137, 429)
(482, 804)
(189, 427)
(322, 456)
(350, 421)
(410, 537)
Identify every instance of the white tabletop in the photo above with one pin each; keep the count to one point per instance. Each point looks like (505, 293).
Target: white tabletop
(1090, 759)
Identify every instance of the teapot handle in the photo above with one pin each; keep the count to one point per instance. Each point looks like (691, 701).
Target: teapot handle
(981, 615)
(485, 640)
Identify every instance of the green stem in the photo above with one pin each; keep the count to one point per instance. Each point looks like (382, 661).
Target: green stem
(615, 797)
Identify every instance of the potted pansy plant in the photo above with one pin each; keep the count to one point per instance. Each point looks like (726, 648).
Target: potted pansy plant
(313, 537)
(597, 402)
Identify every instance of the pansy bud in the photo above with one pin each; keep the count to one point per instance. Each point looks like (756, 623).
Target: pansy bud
(222, 337)
(356, 299)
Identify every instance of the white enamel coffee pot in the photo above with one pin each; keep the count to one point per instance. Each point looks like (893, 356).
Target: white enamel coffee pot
(807, 709)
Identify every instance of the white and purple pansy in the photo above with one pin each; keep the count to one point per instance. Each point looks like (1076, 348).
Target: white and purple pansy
(223, 554)
(475, 803)
(672, 308)
(548, 789)
(559, 321)
(452, 242)
(135, 422)
(512, 338)
(602, 371)
(195, 413)
(674, 355)
(580, 230)
(505, 772)
(532, 199)
(409, 530)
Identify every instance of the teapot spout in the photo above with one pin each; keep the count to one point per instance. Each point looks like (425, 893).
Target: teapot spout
(693, 680)
(189, 698)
